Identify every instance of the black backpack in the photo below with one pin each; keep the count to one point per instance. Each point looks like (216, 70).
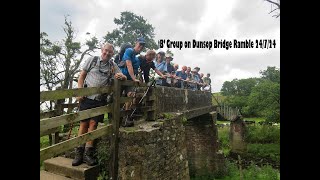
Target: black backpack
(118, 58)
(93, 63)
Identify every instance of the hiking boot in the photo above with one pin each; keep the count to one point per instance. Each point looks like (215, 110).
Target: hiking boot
(79, 156)
(127, 122)
(89, 156)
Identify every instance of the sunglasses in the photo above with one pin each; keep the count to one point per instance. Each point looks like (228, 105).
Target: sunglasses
(103, 72)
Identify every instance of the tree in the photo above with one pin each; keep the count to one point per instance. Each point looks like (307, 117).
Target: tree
(241, 87)
(256, 96)
(48, 66)
(271, 73)
(265, 98)
(131, 26)
(60, 61)
(277, 4)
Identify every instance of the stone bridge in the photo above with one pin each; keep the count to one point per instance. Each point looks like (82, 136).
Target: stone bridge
(181, 142)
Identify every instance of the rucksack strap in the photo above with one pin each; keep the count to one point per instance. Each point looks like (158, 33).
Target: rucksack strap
(93, 63)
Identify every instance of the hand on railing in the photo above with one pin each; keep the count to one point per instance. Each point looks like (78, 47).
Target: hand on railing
(137, 80)
(120, 76)
(79, 99)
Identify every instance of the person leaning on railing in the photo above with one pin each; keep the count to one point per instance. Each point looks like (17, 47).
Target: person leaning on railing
(146, 64)
(207, 82)
(182, 76)
(96, 72)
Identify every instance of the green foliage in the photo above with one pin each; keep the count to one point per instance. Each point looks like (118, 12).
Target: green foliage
(224, 139)
(271, 74)
(103, 157)
(168, 115)
(264, 173)
(252, 172)
(131, 26)
(265, 98)
(218, 99)
(256, 119)
(262, 134)
(256, 96)
(271, 151)
(238, 87)
(60, 61)
(44, 141)
(184, 120)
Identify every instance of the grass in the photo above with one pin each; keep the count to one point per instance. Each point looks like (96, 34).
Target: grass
(253, 172)
(223, 134)
(263, 134)
(256, 119)
(219, 97)
(271, 151)
(44, 141)
(223, 122)
(263, 144)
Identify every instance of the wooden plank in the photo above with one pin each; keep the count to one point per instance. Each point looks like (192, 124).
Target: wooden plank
(147, 108)
(48, 123)
(48, 114)
(66, 93)
(55, 138)
(126, 99)
(61, 147)
(73, 105)
(132, 83)
(49, 131)
(115, 130)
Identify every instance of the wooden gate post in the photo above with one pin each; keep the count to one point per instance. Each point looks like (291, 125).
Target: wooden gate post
(115, 130)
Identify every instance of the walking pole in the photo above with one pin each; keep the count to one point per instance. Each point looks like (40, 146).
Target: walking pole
(144, 95)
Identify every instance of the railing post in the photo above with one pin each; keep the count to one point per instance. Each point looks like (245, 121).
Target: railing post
(115, 120)
(54, 139)
(151, 115)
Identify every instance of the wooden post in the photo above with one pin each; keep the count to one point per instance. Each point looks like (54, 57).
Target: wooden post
(151, 115)
(59, 111)
(115, 130)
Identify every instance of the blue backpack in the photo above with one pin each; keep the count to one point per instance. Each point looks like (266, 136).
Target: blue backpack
(135, 65)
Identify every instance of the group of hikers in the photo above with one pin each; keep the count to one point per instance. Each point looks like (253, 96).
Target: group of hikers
(99, 71)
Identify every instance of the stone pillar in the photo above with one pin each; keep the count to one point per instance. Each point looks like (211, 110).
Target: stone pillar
(202, 146)
(237, 134)
(155, 150)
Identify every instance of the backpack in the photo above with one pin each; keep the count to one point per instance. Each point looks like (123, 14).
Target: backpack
(93, 63)
(118, 58)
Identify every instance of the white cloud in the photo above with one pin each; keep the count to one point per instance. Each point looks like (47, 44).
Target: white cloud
(182, 20)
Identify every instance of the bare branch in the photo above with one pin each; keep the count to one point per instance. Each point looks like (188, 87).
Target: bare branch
(273, 10)
(277, 4)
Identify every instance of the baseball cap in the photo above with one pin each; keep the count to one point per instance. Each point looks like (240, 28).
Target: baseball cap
(141, 40)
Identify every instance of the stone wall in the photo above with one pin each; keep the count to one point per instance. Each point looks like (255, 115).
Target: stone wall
(170, 99)
(202, 146)
(151, 152)
(172, 148)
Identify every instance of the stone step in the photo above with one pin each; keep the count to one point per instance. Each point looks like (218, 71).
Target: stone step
(63, 166)
(45, 175)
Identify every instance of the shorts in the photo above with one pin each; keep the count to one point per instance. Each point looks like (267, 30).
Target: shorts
(87, 103)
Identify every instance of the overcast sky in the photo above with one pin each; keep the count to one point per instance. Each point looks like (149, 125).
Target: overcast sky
(181, 20)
